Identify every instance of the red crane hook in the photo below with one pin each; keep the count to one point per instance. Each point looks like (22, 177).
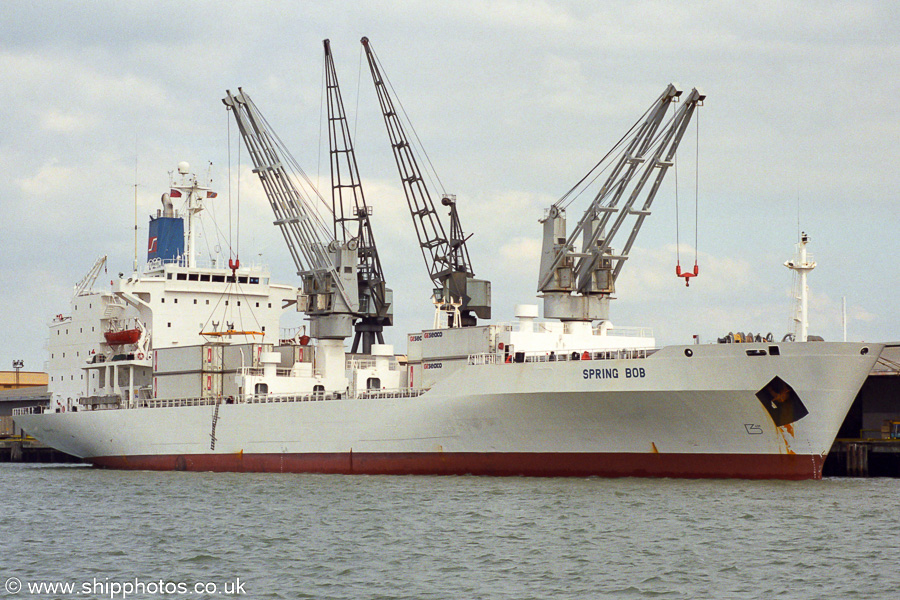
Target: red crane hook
(687, 274)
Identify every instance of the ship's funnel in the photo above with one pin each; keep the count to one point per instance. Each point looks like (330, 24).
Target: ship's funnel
(168, 207)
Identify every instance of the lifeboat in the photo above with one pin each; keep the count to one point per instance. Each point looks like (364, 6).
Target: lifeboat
(122, 337)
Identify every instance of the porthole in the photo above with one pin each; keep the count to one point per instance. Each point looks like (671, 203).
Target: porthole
(864, 351)
(688, 352)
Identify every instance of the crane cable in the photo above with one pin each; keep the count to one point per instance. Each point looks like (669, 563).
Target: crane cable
(686, 274)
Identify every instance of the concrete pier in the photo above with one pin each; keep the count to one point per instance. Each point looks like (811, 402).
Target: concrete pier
(28, 450)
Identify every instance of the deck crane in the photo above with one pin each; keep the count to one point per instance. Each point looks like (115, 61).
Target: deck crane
(327, 267)
(352, 219)
(86, 284)
(446, 257)
(577, 286)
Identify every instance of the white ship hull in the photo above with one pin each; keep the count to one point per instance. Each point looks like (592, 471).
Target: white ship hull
(667, 415)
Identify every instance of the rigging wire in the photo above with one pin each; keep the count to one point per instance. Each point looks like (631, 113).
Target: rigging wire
(677, 221)
(653, 146)
(625, 137)
(321, 121)
(418, 147)
(358, 87)
(697, 188)
(228, 128)
(238, 215)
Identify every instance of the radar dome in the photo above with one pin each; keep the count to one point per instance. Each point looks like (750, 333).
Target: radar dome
(184, 168)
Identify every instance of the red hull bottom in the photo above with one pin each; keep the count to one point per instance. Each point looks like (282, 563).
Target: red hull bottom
(550, 464)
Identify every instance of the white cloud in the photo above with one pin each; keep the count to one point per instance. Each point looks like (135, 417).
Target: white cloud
(514, 100)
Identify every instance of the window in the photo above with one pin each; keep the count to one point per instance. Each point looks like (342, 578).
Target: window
(264, 328)
(254, 280)
(168, 276)
(242, 279)
(218, 278)
(195, 301)
(257, 305)
(204, 277)
(163, 300)
(176, 300)
(270, 305)
(182, 276)
(239, 302)
(207, 301)
(170, 324)
(193, 277)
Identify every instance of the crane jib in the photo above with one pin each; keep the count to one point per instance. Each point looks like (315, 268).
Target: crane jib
(645, 156)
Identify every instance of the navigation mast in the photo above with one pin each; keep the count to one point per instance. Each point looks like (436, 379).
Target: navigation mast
(802, 263)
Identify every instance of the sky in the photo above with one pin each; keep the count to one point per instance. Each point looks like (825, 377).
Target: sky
(513, 101)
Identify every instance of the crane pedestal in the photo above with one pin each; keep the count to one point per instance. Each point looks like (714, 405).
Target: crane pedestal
(568, 307)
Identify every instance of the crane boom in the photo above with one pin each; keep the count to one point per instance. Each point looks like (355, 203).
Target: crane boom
(645, 156)
(87, 282)
(327, 267)
(352, 217)
(446, 257)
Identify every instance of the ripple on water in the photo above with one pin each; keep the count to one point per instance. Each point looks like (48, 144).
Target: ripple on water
(320, 536)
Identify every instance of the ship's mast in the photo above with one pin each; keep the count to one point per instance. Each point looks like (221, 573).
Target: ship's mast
(802, 264)
(196, 194)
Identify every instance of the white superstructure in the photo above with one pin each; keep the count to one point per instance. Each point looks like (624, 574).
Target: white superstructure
(172, 302)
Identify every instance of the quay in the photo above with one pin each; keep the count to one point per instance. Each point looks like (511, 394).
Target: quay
(28, 450)
(23, 389)
(868, 442)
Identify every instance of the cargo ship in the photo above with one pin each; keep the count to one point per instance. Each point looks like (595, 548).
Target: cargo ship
(205, 379)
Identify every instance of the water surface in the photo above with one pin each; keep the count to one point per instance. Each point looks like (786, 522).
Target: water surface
(384, 537)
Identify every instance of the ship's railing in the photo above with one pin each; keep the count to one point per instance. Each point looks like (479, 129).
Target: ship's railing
(388, 394)
(259, 371)
(156, 264)
(177, 402)
(27, 410)
(280, 398)
(483, 359)
(359, 364)
(552, 327)
(563, 356)
(641, 332)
